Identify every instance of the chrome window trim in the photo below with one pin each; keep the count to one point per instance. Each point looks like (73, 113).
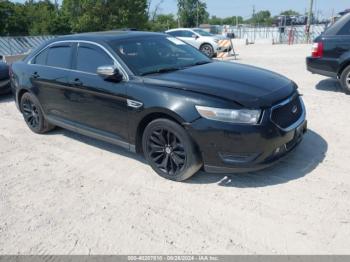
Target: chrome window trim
(296, 123)
(116, 63)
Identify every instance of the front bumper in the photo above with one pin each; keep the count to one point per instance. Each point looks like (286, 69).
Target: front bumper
(230, 148)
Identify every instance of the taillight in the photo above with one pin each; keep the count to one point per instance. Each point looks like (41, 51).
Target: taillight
(317, 50)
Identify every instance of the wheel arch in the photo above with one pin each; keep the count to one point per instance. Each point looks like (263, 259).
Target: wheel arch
(343, 66)
(19, 96)
(148, 118)
(207, 43)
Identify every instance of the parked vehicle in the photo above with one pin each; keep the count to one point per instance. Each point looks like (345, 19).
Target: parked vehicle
(153, 94)
(331, 53)
(206, 42)
(4, 79)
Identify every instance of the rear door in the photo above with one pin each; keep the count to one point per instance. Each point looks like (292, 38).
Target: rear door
(92, 101)
(49, 74)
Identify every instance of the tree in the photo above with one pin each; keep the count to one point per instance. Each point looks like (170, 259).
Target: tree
(233, 20)
(189, 11)
(45, 19)
(13, 19)
(290, 13)
(162, 23)
(261, 18)
(97, 15)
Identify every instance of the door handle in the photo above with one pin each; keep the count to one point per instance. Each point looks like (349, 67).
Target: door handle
(76, 82)
(35, 75)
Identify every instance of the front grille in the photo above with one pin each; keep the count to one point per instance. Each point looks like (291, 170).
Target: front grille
(288, 113)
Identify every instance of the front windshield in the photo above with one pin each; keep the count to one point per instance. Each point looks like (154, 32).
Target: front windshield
(202, 32)
(158, 54)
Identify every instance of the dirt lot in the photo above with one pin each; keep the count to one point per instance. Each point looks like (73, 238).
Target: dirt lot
(63, 193)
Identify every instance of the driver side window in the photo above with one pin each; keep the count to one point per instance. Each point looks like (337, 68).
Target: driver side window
(90, 57)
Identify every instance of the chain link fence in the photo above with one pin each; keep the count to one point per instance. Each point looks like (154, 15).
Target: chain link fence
(275, 35)
(21, 44)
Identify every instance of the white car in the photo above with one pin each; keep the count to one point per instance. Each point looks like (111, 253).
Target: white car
(200, 39)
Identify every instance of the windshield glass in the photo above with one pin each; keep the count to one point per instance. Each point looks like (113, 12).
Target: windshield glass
(202, 32)
(159, 54)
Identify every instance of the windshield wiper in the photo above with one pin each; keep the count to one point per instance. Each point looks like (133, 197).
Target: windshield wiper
(162, 70)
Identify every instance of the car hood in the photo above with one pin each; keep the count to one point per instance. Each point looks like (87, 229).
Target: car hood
(249, 86)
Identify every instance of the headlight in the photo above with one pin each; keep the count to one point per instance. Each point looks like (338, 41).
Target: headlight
(241, 116)
(216, 40)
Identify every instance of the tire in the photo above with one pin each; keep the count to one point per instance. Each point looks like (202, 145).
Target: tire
(33, 115)
(345, 80)
(170, 151)
(208, 50)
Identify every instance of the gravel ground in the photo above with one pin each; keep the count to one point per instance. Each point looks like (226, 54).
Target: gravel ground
(63, 193)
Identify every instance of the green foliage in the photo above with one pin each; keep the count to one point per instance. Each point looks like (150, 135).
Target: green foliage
(13, 19)
(190, 10)
(97, 15)
(232, 20)
(290, 13)
(42, 17)
(162, 23)
(261, 18)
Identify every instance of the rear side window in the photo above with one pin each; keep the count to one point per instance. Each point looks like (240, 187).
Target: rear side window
(339, 26)
(345, 29)
(89, 58)
(59, 56)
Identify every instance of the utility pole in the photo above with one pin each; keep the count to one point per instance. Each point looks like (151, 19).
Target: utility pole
(197, 13)
(309, 18)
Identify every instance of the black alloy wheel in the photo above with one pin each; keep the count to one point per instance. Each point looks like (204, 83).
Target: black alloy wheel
(167, 151)
(170, 151)
(33, 115)
(30, 113)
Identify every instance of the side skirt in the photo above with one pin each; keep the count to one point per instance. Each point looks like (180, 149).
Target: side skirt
(91, 132)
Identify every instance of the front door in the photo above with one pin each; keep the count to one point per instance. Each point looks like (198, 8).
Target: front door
(94, 102)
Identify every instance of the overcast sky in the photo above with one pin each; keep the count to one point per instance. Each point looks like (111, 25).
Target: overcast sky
(244, 8)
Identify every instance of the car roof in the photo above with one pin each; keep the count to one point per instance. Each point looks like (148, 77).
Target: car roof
(107, 36)
(179, 29)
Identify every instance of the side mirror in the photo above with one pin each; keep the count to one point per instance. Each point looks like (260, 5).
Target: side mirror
(110, 73)
(195, 36)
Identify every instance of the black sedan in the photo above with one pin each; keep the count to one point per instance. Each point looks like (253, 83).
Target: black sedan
(4, 79)
(153, 94)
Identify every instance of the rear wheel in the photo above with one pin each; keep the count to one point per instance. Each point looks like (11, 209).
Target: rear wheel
(345, 80)
(170, 151)
(33, 114)
(207, 49)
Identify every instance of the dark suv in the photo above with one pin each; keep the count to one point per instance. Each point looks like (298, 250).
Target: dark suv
(154, 94)
(331, 53)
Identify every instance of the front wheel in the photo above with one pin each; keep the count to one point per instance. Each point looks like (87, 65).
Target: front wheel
(208, 50)
(345, 80)
(170, 150)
